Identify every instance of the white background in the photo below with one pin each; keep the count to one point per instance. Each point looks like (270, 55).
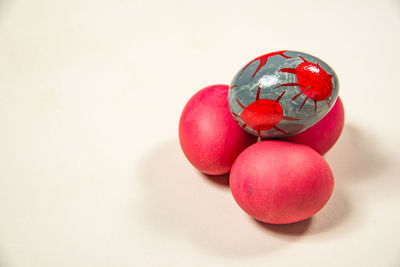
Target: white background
(91, 172)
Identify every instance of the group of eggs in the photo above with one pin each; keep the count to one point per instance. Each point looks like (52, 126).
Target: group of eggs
(269, 129)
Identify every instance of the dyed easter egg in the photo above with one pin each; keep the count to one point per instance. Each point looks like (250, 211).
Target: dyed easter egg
(209, 136)
(282, 93)
(280, 182)
(324, 134)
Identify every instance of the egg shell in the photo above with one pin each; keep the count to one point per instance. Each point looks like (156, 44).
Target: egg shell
(209, 136)
(282, 93)
(280, 182)
(323, 135)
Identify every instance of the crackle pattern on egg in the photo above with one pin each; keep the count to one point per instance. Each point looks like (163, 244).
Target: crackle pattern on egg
(282, 93)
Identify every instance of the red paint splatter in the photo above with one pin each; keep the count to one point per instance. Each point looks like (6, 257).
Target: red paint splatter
(263, 60)
(314, 82)
(263, 114)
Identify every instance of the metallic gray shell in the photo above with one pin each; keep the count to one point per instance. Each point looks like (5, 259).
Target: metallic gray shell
(244, 88)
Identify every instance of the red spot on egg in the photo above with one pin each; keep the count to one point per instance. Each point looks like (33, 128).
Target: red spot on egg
(313, 81)
(263, 114)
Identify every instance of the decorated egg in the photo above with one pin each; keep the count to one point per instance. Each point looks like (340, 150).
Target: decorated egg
(282, 93)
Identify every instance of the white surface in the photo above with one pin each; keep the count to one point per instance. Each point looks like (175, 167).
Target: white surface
(91, 173)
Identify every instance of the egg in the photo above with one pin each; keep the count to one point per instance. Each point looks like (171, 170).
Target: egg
(282, 93)
(209, 136)
(324, 134)
(280, 182)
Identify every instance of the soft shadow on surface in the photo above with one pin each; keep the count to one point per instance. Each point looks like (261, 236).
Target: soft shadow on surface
(4, 260)
(396, 4)
(336, 212)
(222, 180)
(298, 228)
(178, 202)
(355, 157)
(3, 8)
(333, 214)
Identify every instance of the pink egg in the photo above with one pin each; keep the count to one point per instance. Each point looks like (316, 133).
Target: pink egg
(209, 136)
(323, 135)
(281, 182)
